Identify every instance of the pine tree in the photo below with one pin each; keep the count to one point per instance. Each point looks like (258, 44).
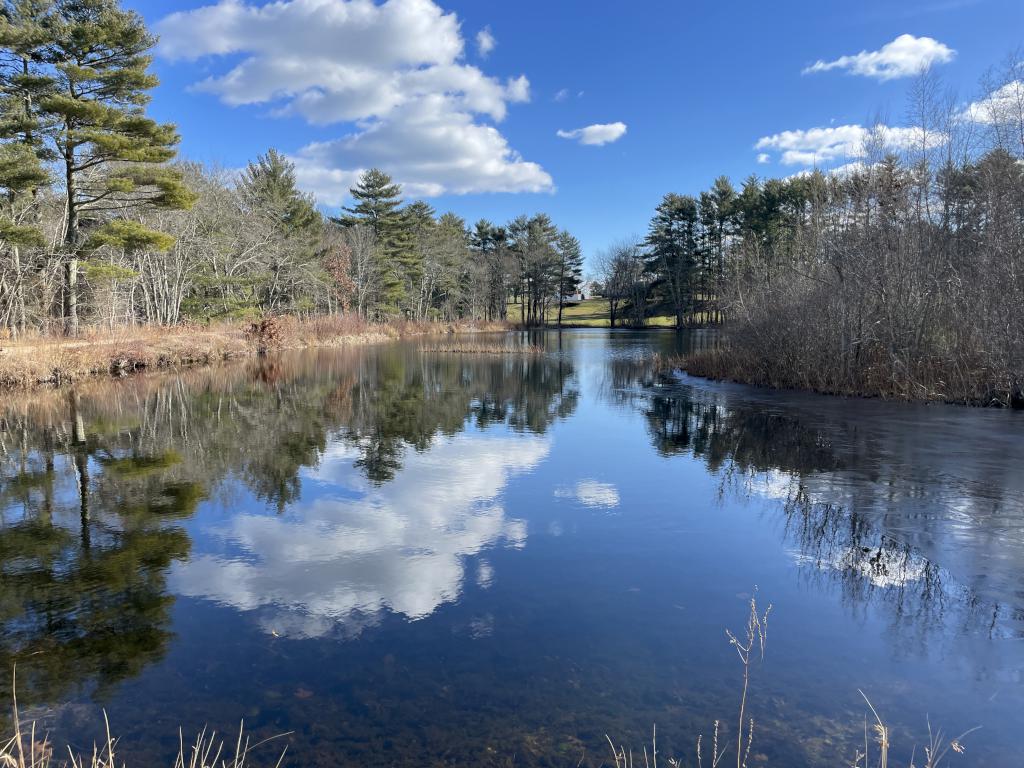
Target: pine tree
(533, 243)
(718, 210)
(269, 185)
(420, 223)
(451, 248)
(673, 250)
(491, 243)
(377, 205)
(268, 188)
(113, 157)
(570, 268)
(22, 153)
(24, 35)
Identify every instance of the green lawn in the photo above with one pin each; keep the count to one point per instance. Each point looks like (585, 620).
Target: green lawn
(590, 313)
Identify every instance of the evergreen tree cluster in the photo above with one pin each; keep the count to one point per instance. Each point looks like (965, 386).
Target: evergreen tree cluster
(428, 267)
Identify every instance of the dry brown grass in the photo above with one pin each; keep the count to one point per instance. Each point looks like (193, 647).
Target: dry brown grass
(750, 646)
(32, 362)
(28, 748)
(37, 360)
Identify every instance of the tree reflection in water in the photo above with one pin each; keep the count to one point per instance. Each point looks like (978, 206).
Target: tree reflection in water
(97, 483)
(837, 534)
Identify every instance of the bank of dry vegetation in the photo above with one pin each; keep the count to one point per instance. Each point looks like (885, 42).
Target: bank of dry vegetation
(36, 360)
(900, 278)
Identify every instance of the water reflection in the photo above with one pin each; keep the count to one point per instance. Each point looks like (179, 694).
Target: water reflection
(402, 555)
(851, 509)
(85, 541)
(380, 492)
(591, 493)
(336, 563)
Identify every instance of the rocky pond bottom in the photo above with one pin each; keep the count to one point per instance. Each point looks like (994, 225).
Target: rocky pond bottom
(411, 557)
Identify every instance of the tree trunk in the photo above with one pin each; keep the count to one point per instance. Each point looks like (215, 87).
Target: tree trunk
(18, 321)
(71, 296)
(71, 243)
(81, 450)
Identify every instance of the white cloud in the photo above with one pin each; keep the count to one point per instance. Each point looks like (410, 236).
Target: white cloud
(1003, 105)
(339, 563)
(562, 95)
(817, 146)
(389, 70)
(484, 574)
(415, 145)
(763, 157)
(596, 135)
(591, 493)
(595, 494)
(844, 171)
(903, 57)
(485, 42)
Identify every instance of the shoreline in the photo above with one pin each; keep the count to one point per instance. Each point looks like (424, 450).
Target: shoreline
(719, 366)
(53, 362)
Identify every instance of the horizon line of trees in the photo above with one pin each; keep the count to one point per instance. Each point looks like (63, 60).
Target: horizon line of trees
(99, 224)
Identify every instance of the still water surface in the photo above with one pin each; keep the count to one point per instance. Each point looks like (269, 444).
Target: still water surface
(407, 557)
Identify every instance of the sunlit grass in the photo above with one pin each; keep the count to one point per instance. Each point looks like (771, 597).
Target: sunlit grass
(594, 313)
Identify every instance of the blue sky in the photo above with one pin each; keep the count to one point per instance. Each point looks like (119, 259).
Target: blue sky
(345, 84)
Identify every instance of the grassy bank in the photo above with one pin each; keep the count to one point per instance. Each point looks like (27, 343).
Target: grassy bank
(593, 313)
(46, 360)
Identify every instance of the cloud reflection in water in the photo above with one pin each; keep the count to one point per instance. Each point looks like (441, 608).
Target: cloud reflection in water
(336, 565)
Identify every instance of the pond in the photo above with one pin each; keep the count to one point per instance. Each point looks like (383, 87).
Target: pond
(403, 556)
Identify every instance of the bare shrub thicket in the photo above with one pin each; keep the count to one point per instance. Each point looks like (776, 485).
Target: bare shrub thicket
(901, 276)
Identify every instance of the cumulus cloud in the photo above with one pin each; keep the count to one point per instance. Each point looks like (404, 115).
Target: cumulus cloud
(338, 564)
(905, 56)
(816, 146)
(419, 141)
(1004, 104)
(485, 42)
(596, 135)
(763, 157)
(388, 70)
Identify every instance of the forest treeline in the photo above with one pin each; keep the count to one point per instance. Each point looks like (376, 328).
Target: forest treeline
(100, 225)
(900, 274)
